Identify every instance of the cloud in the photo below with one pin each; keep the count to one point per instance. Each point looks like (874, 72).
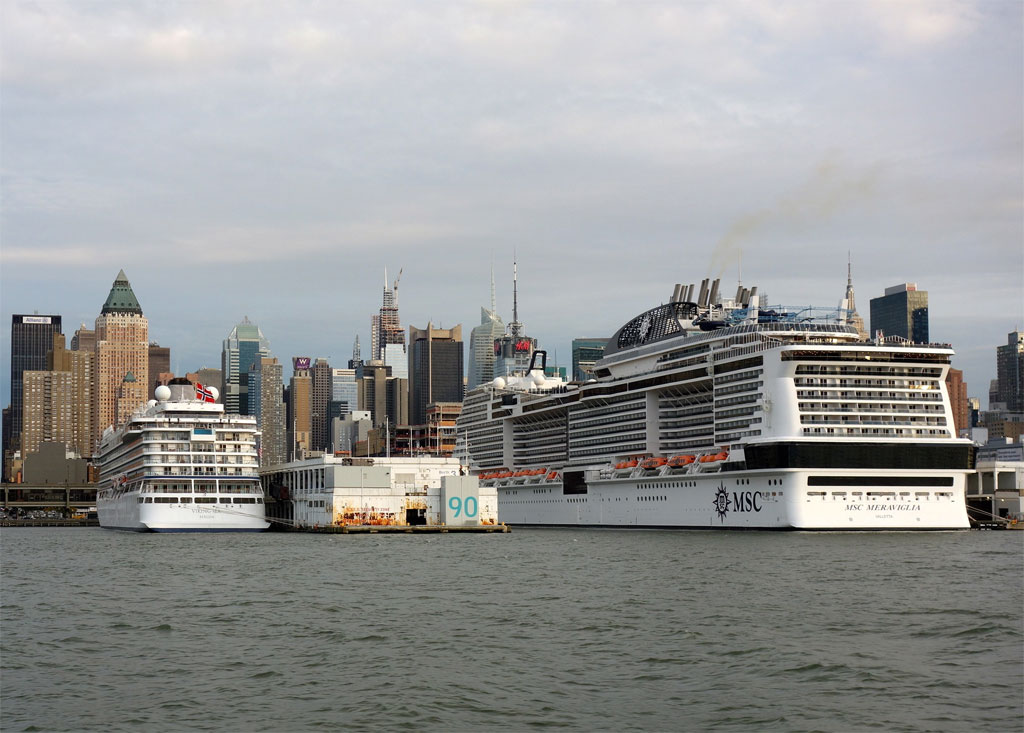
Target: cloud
(612, 145)
(912, 24)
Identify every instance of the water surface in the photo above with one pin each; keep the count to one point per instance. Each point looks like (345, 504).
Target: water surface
(575, 629)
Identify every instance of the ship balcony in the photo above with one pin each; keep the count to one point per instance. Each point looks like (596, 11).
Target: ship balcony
(606, 452)
(610, 439)
(830, 407)
(897, 420)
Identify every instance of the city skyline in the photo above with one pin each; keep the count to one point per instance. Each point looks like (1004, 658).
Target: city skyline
(564, 357)
(272, 164)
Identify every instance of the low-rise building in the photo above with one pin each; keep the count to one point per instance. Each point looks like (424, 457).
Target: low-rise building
(996, 487)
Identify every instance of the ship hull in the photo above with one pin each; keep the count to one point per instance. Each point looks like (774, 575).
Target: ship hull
(124, 512)
(761, 500)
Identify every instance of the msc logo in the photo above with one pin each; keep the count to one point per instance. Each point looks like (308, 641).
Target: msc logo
(721, 502)
(741, 501)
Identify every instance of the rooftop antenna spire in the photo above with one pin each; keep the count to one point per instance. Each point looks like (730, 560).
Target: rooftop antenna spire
(515, 292)
(516, 328)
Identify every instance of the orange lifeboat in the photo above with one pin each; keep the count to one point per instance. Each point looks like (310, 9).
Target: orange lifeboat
(553, 476)
(650, 464)
(680, 461)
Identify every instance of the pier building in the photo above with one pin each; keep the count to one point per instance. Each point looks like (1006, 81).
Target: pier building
(340, 491)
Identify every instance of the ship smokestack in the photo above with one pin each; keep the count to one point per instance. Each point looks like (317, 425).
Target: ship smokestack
(702, 299)
(677, 293)
(714, 292)
(689, 292)
(752, 295)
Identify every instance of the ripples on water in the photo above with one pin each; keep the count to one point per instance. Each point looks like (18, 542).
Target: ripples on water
(582, 630)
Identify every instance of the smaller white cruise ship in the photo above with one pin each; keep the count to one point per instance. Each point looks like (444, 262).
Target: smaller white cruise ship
(180, 464)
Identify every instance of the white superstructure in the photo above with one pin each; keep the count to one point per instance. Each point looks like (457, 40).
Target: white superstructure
(718, 413)
(180, 464)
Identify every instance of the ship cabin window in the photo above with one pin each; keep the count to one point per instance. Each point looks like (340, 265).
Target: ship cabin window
(149, 499)
(185, 500)
(225, 500)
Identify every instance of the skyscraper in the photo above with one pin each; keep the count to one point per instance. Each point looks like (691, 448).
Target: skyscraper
(320, 404)
(585, 353)
(384, 396)
(300, 409)
(387, 339)
(1010, 372)
(903, 312)
(481, 343)
(48, 410)
(159, 363)
(357, 357)
(957, 390)
(344, 393)
(854, 318)
(243, 347)
(122, 347)
(84, 340)
(80, 364)
(435, 369)
(266, 388)
(31, 338)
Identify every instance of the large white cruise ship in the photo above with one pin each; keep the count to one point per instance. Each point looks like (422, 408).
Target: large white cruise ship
(720, 413)
(179, 464)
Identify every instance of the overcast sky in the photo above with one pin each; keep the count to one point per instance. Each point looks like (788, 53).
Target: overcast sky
(271, 159)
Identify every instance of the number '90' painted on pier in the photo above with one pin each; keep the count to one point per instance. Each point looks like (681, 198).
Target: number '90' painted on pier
(458, 506)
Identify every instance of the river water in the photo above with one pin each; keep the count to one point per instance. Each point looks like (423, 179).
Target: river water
(574, 629)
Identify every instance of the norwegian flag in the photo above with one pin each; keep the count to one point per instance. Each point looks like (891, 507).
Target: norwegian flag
(203, 394)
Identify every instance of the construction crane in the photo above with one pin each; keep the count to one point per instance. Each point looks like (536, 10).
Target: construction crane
(395, 287)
